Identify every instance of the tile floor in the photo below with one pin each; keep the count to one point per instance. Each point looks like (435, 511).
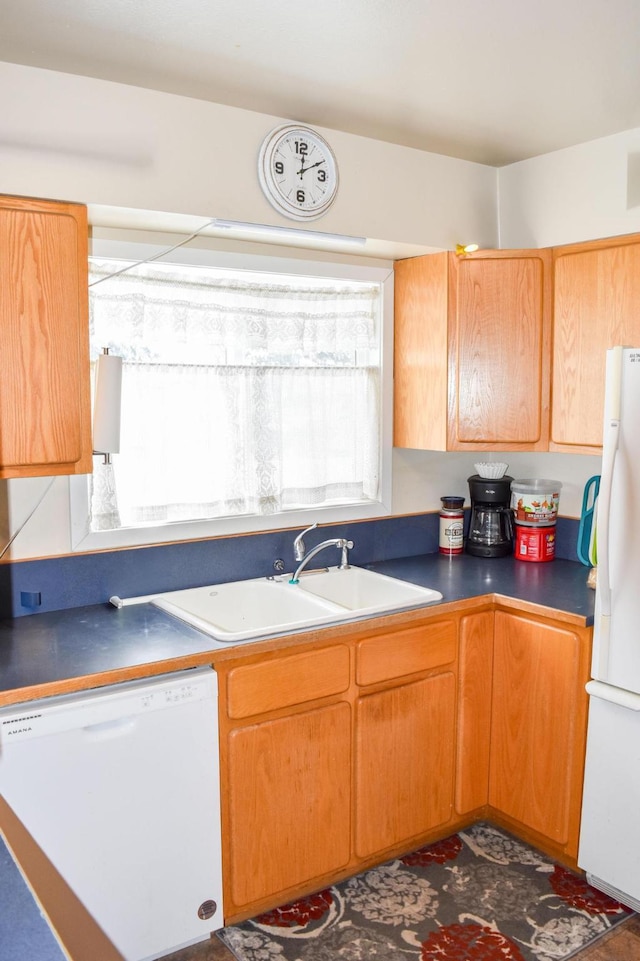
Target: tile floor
(213, 950)
(622, 944)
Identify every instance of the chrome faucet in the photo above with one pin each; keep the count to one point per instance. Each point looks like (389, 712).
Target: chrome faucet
(299, 552)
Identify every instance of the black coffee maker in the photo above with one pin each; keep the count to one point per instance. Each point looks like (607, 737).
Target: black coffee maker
(491, 531)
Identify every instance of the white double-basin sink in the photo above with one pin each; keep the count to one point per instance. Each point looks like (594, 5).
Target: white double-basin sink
(271, 606)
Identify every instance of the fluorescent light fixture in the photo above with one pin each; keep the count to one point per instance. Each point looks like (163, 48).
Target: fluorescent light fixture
(267, 232)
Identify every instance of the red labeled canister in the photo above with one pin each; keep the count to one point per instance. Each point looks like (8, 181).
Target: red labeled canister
(535, 543)
(451, 525)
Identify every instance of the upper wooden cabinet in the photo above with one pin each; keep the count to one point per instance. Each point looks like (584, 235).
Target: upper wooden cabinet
(596, 306)
(45, 402)
(472, 351)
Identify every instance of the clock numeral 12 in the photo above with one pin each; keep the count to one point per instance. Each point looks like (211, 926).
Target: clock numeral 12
(302, 147)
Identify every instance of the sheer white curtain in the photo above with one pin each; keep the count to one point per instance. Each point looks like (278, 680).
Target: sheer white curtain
(242, 394)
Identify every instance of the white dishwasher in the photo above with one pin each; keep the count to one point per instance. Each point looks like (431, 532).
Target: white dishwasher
(120, 788)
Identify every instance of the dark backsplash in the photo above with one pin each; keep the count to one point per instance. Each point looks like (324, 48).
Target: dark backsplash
(76, 580)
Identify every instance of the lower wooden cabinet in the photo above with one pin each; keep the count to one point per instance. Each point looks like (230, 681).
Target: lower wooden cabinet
(405, 740)
(404, 735)
(538, 726)
(474, 712)
(338, 754)
(289, 783)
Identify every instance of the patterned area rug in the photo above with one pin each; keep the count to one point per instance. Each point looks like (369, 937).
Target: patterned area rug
(480, 895)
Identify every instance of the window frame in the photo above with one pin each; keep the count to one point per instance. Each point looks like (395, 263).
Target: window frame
(204, 252)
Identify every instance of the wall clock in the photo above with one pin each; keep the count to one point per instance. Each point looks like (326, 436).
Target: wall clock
(298, 172)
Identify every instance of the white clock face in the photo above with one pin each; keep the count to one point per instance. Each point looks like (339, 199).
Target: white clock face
(298, 172)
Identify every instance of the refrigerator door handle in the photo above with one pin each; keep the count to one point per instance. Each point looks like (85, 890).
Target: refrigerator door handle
(604, 514)
(610, 446)
(614, 695)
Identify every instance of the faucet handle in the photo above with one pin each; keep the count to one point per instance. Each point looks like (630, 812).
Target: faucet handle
(298, 544)
(346, 546)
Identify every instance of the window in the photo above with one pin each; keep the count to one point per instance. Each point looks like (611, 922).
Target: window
(254, 396)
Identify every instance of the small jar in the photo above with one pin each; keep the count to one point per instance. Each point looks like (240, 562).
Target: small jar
(451, 525)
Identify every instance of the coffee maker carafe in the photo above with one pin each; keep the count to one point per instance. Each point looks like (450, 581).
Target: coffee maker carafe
(491, 531)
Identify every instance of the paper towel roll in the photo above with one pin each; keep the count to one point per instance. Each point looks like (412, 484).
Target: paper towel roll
(106, 404)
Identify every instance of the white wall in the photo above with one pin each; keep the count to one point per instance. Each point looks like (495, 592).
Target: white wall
(114, 146)
(422, 477)
(580, 193)
(124, 150)
(76, 138)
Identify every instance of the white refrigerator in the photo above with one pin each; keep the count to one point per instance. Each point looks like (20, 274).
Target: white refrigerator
(609, 849)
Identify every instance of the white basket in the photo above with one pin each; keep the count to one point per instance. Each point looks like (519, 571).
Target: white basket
(492, 470)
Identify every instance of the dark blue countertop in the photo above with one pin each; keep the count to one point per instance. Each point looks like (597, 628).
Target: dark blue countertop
(559, 585)
(25, 935)
(59, 646)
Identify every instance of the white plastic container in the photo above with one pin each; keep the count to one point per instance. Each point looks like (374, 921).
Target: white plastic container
(451, 526)
(535, 502)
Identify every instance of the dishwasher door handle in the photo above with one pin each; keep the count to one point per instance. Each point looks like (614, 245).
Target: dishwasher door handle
(106, 730)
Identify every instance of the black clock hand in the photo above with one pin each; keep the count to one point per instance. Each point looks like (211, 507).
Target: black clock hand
(304, 169)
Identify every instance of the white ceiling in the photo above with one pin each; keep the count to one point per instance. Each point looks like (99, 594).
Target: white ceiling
(494, 81)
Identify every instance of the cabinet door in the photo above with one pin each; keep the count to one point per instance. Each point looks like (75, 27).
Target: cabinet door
(472, 351)
(474, 711)
(499, 350)
(596, 297)
(420, 352)
(404, 762)
(537, 740)
(45, 407)
(290, 802)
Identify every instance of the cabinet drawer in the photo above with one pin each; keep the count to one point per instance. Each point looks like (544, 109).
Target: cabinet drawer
(270, 685)
(405, 652)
